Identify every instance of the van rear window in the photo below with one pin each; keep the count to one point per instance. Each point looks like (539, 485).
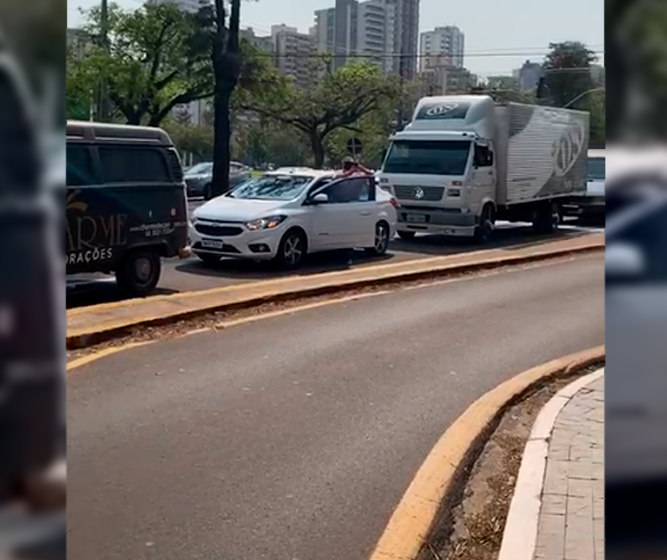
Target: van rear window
(122, 164)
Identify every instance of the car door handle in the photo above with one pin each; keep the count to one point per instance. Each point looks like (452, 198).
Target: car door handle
(366, 213)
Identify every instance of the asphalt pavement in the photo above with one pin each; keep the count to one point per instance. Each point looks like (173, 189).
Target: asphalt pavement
(191, 274)
(294, 437)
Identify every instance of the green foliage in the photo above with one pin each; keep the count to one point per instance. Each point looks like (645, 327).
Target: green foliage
(596, 105)
(339, 101)
(567, 72)
(150, 66)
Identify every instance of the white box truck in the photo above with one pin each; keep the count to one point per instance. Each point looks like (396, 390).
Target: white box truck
(464, 162)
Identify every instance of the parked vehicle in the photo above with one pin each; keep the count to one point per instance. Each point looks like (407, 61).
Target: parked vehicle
(592, 203)
(465, 162)
(199, 178)
(126, 206)
(286, 214)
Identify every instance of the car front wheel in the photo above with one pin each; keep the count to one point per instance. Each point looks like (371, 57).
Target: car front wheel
(381, 240)
(292, 249)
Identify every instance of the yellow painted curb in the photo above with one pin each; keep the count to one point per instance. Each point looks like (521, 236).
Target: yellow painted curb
(439, 478)
(91, 325)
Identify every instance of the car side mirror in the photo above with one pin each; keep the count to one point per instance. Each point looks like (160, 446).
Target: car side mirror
(320, 198)
(624, 262)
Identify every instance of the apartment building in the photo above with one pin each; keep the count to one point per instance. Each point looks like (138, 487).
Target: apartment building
(366, 30)
(405, 37)
(294, 52)
(443, 46)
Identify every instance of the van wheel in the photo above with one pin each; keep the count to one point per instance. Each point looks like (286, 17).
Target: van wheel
(484, 231)
(406, 234)
(208, 192)
(139, 272)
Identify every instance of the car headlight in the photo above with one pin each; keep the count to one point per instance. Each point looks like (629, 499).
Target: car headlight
(265, 223)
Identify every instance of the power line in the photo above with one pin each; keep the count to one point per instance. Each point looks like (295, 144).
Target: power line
(401, 55)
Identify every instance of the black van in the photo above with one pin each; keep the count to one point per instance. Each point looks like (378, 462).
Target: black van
(126, 203)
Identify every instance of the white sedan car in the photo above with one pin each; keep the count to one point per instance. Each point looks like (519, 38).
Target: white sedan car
(289, 213)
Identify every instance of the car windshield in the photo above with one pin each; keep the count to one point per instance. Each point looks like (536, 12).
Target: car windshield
(272, 187)
(446, 157)
(200, 169)
(596, 169)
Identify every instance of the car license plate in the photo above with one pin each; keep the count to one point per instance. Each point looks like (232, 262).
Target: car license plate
(212, 243)
(416, 218)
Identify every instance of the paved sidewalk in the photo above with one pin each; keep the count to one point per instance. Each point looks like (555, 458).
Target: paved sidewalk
(571, 523)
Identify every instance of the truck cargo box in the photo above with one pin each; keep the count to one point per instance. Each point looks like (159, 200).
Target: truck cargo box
(541, 152)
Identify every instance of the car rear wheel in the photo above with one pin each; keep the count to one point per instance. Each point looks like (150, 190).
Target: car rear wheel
(381, 240)
(139, 272)
(292, 249)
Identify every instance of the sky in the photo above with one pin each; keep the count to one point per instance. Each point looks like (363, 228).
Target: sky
(499, 34)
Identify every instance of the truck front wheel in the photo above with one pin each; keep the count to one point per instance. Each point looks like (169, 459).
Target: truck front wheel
(484, 231)
(139, 272)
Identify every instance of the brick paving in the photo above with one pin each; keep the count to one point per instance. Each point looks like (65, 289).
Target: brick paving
(571, 524)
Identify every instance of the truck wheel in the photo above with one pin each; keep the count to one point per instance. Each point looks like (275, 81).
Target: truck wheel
(139, 272)
(406, 234)
(547, 219)
(484, 231)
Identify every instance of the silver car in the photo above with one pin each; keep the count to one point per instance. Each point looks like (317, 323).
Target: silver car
(198, 178)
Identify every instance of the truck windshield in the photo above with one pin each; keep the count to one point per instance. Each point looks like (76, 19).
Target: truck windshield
(596, 169)
(428, 157)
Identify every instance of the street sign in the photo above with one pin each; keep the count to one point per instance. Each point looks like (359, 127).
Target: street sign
(354, 146)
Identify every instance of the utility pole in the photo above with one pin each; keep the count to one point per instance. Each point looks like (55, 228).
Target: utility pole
(103, 104)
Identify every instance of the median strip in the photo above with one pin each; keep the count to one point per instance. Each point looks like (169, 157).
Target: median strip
(91, 325)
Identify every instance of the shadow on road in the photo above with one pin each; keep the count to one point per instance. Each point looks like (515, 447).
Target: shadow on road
(250, 270)
(103, 292)
(192, 274)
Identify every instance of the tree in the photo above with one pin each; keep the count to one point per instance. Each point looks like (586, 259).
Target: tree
(338, 101)
(153, 64)
(567, 72)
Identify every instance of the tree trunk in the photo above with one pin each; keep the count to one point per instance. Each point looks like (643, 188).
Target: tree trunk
(317, 145)
(222, 131)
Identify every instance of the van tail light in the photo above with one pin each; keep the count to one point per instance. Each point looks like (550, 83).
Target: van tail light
(393, 202)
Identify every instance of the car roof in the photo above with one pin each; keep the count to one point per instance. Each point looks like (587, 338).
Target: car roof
(302, 172)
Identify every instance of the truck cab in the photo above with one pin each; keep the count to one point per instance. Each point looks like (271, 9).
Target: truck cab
(441, 167)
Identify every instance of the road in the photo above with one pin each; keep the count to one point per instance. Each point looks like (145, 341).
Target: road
(294, 437)
(191, 274)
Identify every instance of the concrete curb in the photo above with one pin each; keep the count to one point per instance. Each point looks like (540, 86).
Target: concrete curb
(91, 325)
(521, 527)
(437, 484)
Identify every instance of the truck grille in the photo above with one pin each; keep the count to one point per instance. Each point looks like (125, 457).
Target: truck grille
(218, 231)
(427, 194)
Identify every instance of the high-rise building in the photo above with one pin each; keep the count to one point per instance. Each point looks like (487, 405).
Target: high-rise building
(294, 53)
(406, 37)
(444, 46)
(529, 75)
(358, 30)
(323, 31)
(191, 6)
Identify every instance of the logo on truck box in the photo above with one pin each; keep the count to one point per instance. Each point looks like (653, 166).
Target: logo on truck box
(568, 147)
